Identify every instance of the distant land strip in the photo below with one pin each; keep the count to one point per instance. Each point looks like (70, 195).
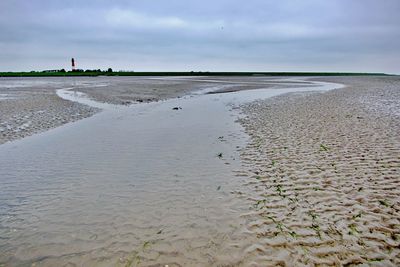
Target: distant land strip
(190, 73)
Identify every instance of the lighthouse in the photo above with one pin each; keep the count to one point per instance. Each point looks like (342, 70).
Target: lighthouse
(73, 64)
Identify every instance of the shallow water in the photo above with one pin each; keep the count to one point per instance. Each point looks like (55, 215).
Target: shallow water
(5, 97)
(132, 185)
(72, 95)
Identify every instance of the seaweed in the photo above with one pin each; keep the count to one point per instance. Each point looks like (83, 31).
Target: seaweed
(323, 147)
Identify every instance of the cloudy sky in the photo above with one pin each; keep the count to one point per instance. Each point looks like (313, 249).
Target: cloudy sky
(213, 35)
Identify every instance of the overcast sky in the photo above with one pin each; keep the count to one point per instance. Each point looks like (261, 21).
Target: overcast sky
(213, 35)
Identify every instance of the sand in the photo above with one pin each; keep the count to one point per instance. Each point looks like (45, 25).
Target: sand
(143, 183)
(130, 90)
(321, 170)
(31, 105)
(324, 174)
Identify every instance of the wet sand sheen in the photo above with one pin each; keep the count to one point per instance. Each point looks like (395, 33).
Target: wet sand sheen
(128, 185)
(30, 105)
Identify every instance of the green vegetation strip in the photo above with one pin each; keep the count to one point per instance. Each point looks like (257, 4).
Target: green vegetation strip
(192, 73)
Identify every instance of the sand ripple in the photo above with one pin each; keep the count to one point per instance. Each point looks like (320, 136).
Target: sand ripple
(325, 176)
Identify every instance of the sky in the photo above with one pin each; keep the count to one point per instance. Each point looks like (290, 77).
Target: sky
(207, 35)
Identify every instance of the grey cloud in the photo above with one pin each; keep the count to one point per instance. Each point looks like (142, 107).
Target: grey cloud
(337, 35)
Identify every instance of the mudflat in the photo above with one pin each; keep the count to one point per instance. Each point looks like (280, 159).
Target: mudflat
(307, 178)
(324, 169)
(31, 105)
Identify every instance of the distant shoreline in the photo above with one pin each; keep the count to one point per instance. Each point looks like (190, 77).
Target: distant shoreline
(197, 73)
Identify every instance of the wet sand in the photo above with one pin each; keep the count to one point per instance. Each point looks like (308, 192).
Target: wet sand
(138, 185)
(129, 90)
(143, 185)
(324, 173)
(31, 105)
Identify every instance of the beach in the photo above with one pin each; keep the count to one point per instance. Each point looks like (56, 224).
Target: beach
(200, 171)
(31, 105)
(324, 169)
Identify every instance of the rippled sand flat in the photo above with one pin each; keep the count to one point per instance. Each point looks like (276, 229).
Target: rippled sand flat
(30, 105)
(151, 184)
(174, 183)
(324, 173)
